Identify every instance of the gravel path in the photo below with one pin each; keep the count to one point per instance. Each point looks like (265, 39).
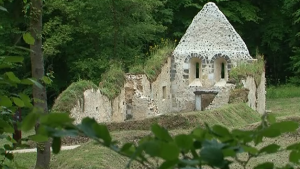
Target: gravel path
(34, 149)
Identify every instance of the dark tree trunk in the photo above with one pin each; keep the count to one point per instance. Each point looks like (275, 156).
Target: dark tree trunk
(37, 67)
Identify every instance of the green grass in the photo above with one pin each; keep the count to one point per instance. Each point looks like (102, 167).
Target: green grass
(283, 91)
(158, 57)
(68, 98)
(91, 156)
(284, 106)
(233, 115)
(254, 69)
(112, 81)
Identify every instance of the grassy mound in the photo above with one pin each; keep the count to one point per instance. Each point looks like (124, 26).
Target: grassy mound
(243, 70)
(68, 98)
(231, 116)
(112, 82)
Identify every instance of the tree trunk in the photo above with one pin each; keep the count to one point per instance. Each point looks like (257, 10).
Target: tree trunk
(37, 67)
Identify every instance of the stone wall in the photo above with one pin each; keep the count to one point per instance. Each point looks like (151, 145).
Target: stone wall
(257, 94)
(139, 99)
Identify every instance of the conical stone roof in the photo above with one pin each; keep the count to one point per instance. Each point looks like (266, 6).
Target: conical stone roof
(210, 34)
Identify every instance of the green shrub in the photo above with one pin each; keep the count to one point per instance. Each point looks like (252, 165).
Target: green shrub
(68, 98)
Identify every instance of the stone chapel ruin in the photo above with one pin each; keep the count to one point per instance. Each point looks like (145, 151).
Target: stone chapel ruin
(199, 65)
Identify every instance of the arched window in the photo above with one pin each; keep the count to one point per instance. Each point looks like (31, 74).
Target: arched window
(222, 70)
(197, 70)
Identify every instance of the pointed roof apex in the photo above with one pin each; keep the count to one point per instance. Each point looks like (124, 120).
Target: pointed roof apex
(210, 33)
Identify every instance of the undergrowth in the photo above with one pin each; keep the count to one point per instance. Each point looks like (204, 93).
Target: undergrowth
(68, 98)
(112, 81)
(283, 91)
(254, 69)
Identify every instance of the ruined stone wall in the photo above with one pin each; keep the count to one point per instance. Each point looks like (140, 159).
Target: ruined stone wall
(161, 89)
(261, 95)
(257, 94)
(94, 105)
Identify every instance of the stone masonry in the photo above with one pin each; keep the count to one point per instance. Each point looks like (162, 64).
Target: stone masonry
(200, 65)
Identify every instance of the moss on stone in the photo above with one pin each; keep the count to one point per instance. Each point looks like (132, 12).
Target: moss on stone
(68, 98)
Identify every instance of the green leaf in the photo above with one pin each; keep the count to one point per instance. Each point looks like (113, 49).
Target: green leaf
(295, 146)
(295, 157)
(26, 100)
(272, 148)
(266, 165)
(38, 138)
(153, 148)
(28, 39)
(3, 9)
(86, 127)
(29, 121)
(285, 126)
(213, 156)
(56, 119)
(271, 118)
(36, 83)
(56, 144)
(46, 80)
(102, 132)
(18, 102)
(161, 133)
(250, 149)
(169, 151)
(168, 164)
(128, 149)
(184, 141)
(14, 59)
(6, 127)
(270, 132)
(5, 101)
(9, 156)
(221, 131)
(11, 76)
(198, 134)
(190, 162)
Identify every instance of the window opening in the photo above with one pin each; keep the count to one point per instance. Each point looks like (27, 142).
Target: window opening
(222, 70)
(164, 92)
(197, 70)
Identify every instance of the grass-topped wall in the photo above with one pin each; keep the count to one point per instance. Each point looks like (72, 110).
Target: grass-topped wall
(112, 82)
(157, 58)
(254, 69)
(68, 98)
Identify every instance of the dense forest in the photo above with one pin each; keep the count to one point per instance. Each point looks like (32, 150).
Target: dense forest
(81, 39)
